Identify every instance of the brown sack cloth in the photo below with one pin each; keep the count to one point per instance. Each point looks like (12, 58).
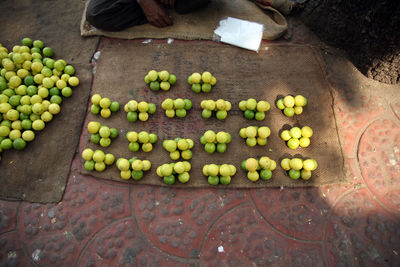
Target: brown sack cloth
(202, 23)
(275, 70)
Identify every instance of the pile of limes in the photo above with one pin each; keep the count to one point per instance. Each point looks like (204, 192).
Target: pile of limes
(297, 167)
(132, 108)
(296, 137)
(179, 147)
(255, 135)
(178, 107)
(215, 141)
(101, 134)
(259, 168)
(162, 79)
(103, 105)
(253, 109)
(291, 105)
(132, 168)
(32, 85)
(143, 139)
(221, 108)
(96, 160)
(169, 172)
(202, 82)
(219, 174)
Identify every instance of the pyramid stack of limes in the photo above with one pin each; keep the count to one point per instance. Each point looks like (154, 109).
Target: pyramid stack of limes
(291, 105)
(253, 109)
(141, 110)
(215, 141)
(179, 147)
(219, 174)
(255, 135)
(178, 107)
(202, 82)
(32, 85)
(101, 134)
(220, 107)
(169, 172)
(133, 168)
(160, 80)
(96, 160)
(103, 105)
(296, 137)
(142, 139)
(259, 168)
(298, 168)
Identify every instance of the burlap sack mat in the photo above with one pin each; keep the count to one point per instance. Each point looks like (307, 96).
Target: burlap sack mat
(202, 23)
(276, 70)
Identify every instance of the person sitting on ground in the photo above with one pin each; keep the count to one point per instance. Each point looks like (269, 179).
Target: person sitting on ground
(117, 15)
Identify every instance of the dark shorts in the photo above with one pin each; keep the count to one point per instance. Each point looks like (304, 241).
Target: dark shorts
(117, 15)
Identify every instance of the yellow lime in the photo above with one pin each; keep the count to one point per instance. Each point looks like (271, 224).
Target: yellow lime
(251, 132)
(285, 164)
(253, 176)
(288, 101)
(296, 164)
(87, 154)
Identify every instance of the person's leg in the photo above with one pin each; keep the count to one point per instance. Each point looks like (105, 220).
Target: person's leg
(114, 15)
(186, 6)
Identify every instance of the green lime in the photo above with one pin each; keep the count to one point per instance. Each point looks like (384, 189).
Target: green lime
(94, 109)
(243, 165)
(8, 92)
(95, 138)
(70, 70)
(28, 80)
(259, 116)
(209, 148)
(54, 91)
(132, 116)
(66, 91)
(172, 79)
(206, 114)
(184, 177)
(113, 133)
(31, 90)
(181, 113)
(89, 165)
(6, 144)
(213, 180)
(293, 143)
(19, 144)
(266, 174)
(38, 44)
(294, 174)
(221, 147)
(221, 114)
(188, 104)
(289, 112)
(134, 146)
(169, 179)
(225, 180)
(48, 51)
(206, 87)
(196, 88)
(56, 99)
(155, 86)
(151, 108)
(14, 100)
(114, 107)
(27, 41)
(137, 175)
(152, 138)
(26, 124)
(249, 114)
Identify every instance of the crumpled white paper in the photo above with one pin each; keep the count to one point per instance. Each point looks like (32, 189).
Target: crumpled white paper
(241, 33)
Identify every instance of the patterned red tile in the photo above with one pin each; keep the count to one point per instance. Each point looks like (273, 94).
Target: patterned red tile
(8, 215)
(57, 232)
(362, 233)
(122, 244)
(379, 159)
(242, 238)
(12, 252)
(297, 212)
(176, 220)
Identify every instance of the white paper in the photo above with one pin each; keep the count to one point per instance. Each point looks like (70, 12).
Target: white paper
(241, 33)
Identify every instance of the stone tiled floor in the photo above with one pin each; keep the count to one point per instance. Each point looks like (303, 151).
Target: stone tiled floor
(101, 223)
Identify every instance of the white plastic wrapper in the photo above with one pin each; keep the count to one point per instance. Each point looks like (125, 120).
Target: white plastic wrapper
(241, 33)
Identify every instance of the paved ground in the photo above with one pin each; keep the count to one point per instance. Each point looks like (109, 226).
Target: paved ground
(100, 223)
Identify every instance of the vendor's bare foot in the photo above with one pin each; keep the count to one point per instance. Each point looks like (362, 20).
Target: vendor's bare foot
(155, 13)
